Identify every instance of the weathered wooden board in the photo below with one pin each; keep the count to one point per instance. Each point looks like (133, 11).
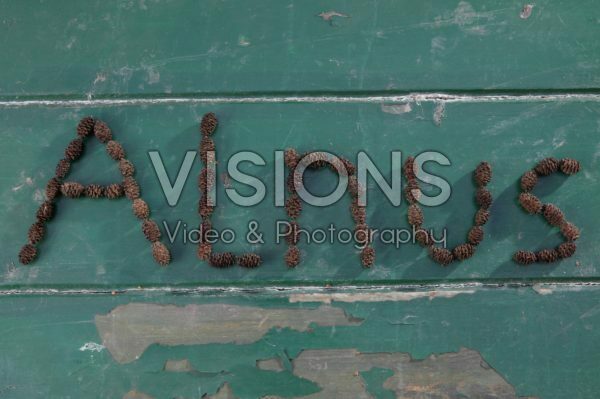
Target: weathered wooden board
(499, 343)
(100, 242)
(114, 47)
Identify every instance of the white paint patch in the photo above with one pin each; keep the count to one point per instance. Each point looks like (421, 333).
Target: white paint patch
(329, 15)
(91, 347)
(375, 296)
(396, 109)
(542, 290)
(438, 113)
(526, 11)
(243, 41)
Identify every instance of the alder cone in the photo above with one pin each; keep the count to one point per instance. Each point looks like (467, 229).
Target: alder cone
(204, 209)
(483, 198)
(62, 168)
(530, 203)
(208, 124)
(483, 174)
(115, 150)
(72, 189)
(140, 209)
(423, 237)
(359, 213)
(151, 230)
(481, 217)
(205, 228)
(52, 189)
(569, 231)
(161, 253)
(204, 251)
(547, 166)
(442, 256)
(207, 144)
(353, 186)
(362, 234)
(45, 212)
(131, 188)
(475, 235)
(367, 256)
(36, 232)
(553, 215)
(94, 191)
(547, 255)
(291, 158)
(293, 207)
(342, 163)
(410, 194)
(415, 215)
(566, 249)
(525, 257)
(292, 233)
(27, 254)
(113, 191)
(529, 180)
(102, 132)
(409, 168)
(463, 251)
(74, 149)
(126, 168)
(249, 260)
(221, 260)
(569, 166)
(292, 256)
(85, 126)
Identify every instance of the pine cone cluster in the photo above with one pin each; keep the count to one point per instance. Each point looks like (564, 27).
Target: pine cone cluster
(525, 257)
(293, 207)
(483, 174)
(113, 191)
(204, 251)
(546, 166)
(547, 255)
(85, 126)
(74, 149)
(151, 230)
(72, 189)
(569, 166)
(358, 213)
(529, 180)
(367, 256)
(292, 256)
(161, 253)
(94, 191)
(291, 158)
(222, 260)
(463, 251)
(249, 260)
(415, 215)
(208, 124)
(530, 203)
(409, 169)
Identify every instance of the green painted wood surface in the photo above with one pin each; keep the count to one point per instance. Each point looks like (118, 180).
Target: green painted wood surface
(84, 245)
(157, 47)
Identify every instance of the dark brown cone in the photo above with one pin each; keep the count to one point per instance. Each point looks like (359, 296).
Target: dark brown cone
(525, 257)
(151, 230)
(292, 257)
(408, 168)
(249, 260)
(204, 251)
(483, 174)
(569, 231)
(530, 203)
(291, 158)
(113, 191)
(367, 256)
(463, 251)
(350, 168)
(481, 217)
(442, 256)
(27, 254)
(62, 168)
(293, 207)
(94, 191)
(36, 232)
(410, 194)
(126, 168)
(529, 180)
(85, 126)
(475, 235)
(415, 215)
(115, 150)
(483, 198)
(566, 249)
(74, 149)
(205, 229)
(203, 180)
(569, 166)
(547, 255)
(208, 124)
(45, 212)
(546, 166)
(72, 189)
(131, 188)
(204, 209)
(161, 253)
(102, 132)
(353, 186)
(52, 189)
(423, 237)
(140, 209)
(553, 215)
(207, 144)
(362, 234)
(292, 233)
(359, 213)
(223, 259)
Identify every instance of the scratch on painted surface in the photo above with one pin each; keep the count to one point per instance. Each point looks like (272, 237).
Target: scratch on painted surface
(129, 329)
(330, 15)
(396, 109)
(91, 347)
(272, 364)
(526, 11)
(375, 296)
(438, 113)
